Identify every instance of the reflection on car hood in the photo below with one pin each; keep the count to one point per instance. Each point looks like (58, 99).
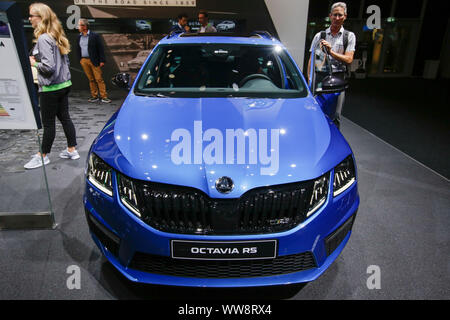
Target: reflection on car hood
(151, 135)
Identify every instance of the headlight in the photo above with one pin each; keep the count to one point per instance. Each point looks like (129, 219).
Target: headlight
(319, 194)
(100, 174)
(344, 176)
(127, 193)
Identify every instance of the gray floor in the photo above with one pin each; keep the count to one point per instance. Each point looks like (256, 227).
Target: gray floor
(402, 227)
(409, 113)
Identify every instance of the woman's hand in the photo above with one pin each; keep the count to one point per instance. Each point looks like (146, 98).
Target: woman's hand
(32, 60)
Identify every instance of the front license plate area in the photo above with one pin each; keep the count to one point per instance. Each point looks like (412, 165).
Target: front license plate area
(224, 250)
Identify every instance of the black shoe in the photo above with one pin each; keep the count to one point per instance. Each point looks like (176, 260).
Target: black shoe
(337, 123)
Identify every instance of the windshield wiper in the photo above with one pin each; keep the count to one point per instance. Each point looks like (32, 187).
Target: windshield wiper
(153, 95)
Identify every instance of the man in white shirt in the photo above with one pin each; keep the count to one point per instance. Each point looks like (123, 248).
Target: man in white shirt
(340, 45)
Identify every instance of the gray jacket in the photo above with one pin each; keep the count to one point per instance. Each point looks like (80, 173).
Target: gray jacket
(53, 68)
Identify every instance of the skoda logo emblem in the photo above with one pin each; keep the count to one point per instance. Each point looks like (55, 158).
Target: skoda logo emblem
(224, 185)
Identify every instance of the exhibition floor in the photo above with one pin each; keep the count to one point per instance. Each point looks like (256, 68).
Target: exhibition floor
(409, 113)
(402, 227)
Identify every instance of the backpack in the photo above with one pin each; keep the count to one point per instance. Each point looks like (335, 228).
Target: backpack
(323, 35)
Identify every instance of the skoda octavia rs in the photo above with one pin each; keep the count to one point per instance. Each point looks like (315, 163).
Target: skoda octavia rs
(220, 169)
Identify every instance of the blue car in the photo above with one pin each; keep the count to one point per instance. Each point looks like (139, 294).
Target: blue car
(221, 169)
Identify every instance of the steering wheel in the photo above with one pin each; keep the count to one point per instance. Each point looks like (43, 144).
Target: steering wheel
(253, 76)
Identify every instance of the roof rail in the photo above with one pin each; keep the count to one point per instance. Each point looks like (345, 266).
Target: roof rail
(259, 34)
(262, 34)
(208, 34)
(174, 33)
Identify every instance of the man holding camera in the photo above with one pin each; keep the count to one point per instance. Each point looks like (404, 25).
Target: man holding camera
(340, 45)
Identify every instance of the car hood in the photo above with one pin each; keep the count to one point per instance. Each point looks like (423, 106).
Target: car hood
(188, 141)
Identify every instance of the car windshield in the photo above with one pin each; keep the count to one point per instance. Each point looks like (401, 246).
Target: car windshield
(220, 70)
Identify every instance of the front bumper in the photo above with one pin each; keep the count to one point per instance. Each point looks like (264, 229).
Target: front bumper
(121, 237)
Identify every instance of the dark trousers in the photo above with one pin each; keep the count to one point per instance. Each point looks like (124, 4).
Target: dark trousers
(55, 104)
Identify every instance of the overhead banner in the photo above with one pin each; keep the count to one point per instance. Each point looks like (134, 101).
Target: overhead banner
(16, 111)
(137, 3)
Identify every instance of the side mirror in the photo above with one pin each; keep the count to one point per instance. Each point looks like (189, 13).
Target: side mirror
(121, 80)
(332, 84)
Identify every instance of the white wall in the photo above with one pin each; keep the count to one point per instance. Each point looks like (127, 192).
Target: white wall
(290, 18)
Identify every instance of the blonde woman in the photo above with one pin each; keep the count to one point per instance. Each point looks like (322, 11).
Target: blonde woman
(49, 56)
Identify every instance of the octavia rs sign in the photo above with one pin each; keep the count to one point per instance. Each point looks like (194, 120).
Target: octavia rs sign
(223, 250)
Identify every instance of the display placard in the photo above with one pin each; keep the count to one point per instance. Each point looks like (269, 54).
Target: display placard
(19, 112)
(16, 108)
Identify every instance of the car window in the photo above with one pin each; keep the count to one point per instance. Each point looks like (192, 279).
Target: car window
(221, 70)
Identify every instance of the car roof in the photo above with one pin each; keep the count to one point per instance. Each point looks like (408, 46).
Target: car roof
(262, 38)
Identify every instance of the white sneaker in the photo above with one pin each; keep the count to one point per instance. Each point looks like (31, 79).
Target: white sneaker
(65, 154)
(36, 162)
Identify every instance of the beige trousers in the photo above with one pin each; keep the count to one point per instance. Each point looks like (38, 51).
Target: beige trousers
(94, 75)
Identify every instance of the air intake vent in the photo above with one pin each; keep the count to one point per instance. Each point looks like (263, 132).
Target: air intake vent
(109, 240)
(222, 269)
(334, 240)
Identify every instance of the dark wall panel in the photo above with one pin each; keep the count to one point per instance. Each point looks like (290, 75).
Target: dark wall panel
(432, 35)
(124, 44)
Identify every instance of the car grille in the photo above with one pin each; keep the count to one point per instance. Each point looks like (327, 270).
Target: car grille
(186, 210)
(222, 269)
